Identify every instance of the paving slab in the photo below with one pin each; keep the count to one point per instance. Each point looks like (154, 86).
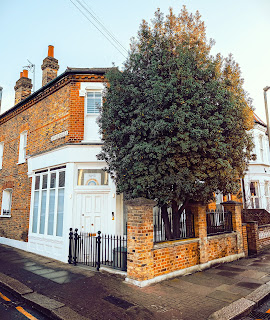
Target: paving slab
(224, 296)
(43, 271)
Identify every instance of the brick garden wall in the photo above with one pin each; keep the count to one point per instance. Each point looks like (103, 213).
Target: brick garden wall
(221, 246)
(264, 237)
(177, 255)
(146, 260)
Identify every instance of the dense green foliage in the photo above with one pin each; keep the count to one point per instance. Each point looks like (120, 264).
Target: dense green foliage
(175, 120)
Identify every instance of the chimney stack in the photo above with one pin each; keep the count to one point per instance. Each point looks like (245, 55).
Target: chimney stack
(1, 89)
(49, 67)
(23, 87)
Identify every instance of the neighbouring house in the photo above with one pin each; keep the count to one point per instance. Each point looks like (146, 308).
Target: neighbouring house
(256, 193)
(50, 177)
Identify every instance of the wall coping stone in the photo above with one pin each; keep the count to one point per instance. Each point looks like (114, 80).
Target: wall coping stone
(141, 202)
(174, 243)
(264, 226)
(223, 235)
(231, 202)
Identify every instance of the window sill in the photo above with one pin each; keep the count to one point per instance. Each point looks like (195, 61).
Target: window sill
(21, 162)
(5, 216)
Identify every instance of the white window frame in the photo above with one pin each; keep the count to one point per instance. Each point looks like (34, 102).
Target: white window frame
(56, 188)
(253, 198)
(22, 147)
(1, 154)
(94, 91)
(6, 193)
(261, 147)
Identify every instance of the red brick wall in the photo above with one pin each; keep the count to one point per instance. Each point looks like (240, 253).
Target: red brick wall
(176, 255)
(220, 246)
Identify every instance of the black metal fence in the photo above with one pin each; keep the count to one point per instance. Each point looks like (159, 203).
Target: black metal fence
(95, 250)
(219, 222)
(185, 223)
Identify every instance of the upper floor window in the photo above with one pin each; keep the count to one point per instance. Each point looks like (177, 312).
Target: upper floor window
(6, 202)
(1, 154)
(94, 102)
(22, 148)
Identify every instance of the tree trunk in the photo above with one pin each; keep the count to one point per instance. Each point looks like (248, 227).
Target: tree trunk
(176, 220)
(165, 218)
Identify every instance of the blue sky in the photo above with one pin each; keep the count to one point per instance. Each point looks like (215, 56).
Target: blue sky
(29, 26)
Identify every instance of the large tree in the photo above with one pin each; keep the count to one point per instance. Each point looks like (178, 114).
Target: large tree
(175, 120)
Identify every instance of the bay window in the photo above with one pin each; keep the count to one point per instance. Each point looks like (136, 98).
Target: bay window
(48, 202)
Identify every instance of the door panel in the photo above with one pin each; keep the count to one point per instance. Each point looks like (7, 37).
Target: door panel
(92, 209)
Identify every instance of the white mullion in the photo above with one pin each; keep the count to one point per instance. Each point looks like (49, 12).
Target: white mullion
(56, 203)
(39, 202)
(47, 204)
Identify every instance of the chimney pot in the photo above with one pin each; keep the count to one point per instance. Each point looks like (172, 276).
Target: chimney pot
(21, 74)
(50, 51)
(25, 73)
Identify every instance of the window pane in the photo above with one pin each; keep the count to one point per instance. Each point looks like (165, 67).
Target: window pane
(53, 180)
(51, 212)
(92, 177)
(37, 182)
(44, 181)
(61, 179)
(90, 94)
(42, 211)
(60, 213)
(35, 212)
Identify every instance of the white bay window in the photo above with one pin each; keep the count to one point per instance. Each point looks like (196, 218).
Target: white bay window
(48, 202)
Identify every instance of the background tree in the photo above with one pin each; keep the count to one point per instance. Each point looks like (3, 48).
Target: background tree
(175, 121)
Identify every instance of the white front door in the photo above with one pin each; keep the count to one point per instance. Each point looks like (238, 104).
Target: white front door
(93, 211)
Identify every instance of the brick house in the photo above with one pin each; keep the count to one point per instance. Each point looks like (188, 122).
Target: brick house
(50, 176)
(51, 180)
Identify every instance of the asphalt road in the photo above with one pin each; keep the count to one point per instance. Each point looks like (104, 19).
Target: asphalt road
(12, 308)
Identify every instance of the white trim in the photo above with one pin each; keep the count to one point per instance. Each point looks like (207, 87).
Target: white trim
(63, 155)
(186, 271)
(14, 243)
(22, 147)
(1, 154)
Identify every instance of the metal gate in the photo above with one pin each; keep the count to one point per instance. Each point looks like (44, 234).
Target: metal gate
(95, 250)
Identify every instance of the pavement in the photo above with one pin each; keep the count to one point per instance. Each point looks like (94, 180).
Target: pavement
(67, 292)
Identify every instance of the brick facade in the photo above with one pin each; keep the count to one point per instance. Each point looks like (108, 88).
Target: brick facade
(56, 107)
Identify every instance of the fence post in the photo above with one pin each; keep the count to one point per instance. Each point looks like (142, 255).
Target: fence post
(98, 250)
(70, 246)
(198, 209)
(235, 208)
(76, 238)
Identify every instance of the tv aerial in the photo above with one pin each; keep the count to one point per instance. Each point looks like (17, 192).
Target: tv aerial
(31, 67)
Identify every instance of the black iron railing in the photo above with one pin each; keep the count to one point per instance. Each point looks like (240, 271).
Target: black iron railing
(219, 222)
(185, 226)
(95, 249)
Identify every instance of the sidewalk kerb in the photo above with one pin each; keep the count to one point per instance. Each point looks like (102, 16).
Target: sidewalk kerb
(242, 306)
